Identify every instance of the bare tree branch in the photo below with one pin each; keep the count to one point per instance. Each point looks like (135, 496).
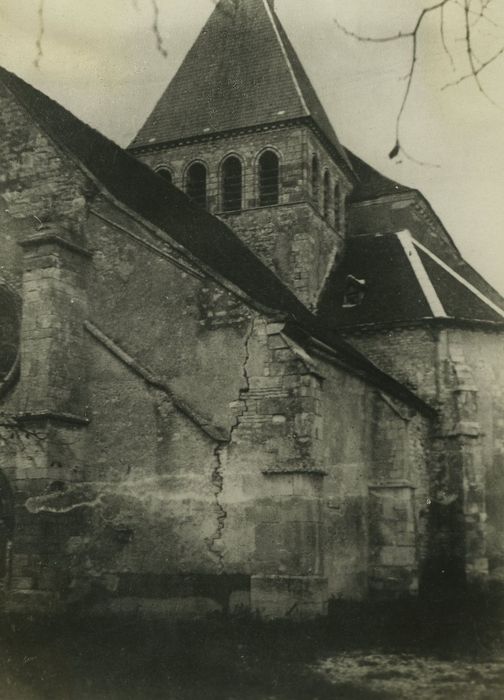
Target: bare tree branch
(471, 18)
(443, 37)
(413, 36)
(481, 68)
(475, 70)
(155, 28)
(40, 35)
(481, 14)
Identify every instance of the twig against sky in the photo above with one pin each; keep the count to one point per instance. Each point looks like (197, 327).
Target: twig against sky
(40, 34)
(134, 3)
(155, 28)
(473, 12)
(443, 37)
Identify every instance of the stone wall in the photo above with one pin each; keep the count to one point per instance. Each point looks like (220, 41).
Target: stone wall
(40, 427)
(169, 446)
(37, 182)
(375, 490)
(460, 371)
(219, 463)
(293, 237)
(294, 241)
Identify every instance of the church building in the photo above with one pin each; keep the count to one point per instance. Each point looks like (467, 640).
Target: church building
(239, 368)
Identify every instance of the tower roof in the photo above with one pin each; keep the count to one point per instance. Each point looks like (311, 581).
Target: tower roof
(241, 72)
(404, 282)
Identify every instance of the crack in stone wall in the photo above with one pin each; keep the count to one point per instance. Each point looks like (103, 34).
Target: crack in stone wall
(217, 478)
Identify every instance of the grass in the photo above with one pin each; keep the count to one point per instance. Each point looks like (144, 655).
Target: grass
(238, 659)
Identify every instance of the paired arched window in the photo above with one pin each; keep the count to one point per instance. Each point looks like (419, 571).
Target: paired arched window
(165, 174)
(337, 205)
(269, 179)
(232, 184)
(315, 179)
(196, 184)
(327, 194)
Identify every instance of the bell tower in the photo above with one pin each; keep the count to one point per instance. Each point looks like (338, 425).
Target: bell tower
(241, 130)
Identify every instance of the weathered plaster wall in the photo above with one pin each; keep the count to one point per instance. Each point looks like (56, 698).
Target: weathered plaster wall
(199, 480)
(460, 371)
(373, 452)
(187, 330)
(483, 353)
(38, 183)
(408, 354)
(176, 444)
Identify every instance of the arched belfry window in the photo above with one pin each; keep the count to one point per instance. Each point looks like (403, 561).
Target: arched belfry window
(337, 205)
(196, 184)
(327, 194)
(232, 184)
(315, 180)
(269, 179)
(165, 174)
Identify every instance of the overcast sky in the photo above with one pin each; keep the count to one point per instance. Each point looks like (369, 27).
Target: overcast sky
(101, 62)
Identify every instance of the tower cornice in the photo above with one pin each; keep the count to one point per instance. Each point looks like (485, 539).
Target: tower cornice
(257, 128)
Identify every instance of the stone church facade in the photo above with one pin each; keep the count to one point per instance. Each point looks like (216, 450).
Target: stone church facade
(239, 368)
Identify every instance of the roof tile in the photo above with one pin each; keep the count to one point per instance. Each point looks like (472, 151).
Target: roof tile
(241, 72)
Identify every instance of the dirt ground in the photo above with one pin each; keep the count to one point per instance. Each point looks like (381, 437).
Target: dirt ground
(359, 653)
(416, 677)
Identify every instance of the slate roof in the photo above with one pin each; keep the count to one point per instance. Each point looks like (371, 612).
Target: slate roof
(204, 236)
(404, 282)
(241, 72)
(371, 184)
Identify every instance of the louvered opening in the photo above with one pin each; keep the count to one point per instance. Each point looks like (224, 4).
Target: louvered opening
(165, 174)
(232, 184)
(196, 184)
(315, 180)
(327, 194)
(269, 179)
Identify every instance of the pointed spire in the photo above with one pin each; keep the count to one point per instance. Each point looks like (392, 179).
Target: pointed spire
(241, 72)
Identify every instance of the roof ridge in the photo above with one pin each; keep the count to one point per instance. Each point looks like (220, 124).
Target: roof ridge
(271, 14)
(447, 268)
(431, 296)
(240, 72)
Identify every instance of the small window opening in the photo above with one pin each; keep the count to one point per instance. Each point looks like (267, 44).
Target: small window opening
(165, 174)
(337, 206)
(232, 184)
(354, 292)
(268, 179)
(196, 184)
(315, 177)
(327, 193)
